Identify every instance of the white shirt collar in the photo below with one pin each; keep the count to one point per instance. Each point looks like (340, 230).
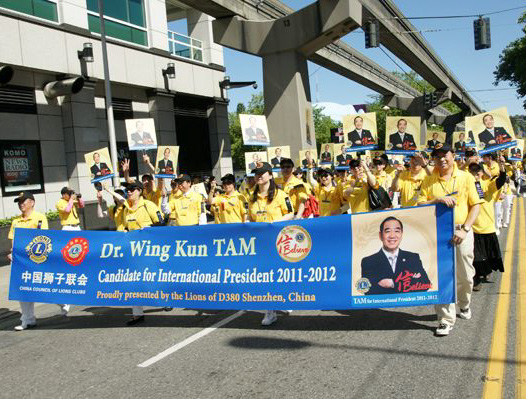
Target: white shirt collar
(492, 130)
(390, 255)
(401, 134)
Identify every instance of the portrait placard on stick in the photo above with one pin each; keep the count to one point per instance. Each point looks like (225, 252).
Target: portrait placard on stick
(99, 165)
(492, 130)
(327, 154)
(516, 153)
(308, 158)
(254, 160)
(166, 161)
(254, 130)
(141, 134)
(433, 138)
(402, 135)
(360, 131)
(462, 142)
(276, 154)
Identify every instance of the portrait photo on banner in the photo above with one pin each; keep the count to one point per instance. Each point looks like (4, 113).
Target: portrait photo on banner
(327, 154)
(516, 153)
(462, 141)
(394, 252)
(308, 158)
(341, 157)
(99, 164)
(492, 130)
(141, 134)
(402, 134)
(360, 131)
(166, 161)
(433, 138)
(275, 154)
(254, 130)
(254, 160)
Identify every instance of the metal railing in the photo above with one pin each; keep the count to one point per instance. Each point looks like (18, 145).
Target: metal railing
(185, 46)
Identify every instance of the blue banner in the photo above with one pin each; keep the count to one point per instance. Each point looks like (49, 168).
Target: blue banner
(337, 262)
(498, 147)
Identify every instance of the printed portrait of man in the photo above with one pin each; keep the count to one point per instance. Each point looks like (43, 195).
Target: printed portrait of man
(359, 136)
(516, 152)
(254, 133)
(492, 135)
(308, 161)
(276, 159)
(99, 168)
(326, 156)
(256, 161)
(433, 141)
(165, 165)
(140, 138)
(461, 144)
(343, 158)
(392, 270)
(400, 140)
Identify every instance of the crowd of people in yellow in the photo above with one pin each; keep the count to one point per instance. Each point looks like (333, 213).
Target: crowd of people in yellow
(480, 190)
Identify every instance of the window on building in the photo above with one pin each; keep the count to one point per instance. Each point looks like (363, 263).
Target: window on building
(124, 19)
(18, 99)
(122, 109)
(46, 9)
(21, 167)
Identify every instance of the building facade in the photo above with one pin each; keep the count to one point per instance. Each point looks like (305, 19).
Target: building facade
(43, 140)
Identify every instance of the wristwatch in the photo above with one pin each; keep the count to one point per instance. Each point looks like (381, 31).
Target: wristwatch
(463, 227)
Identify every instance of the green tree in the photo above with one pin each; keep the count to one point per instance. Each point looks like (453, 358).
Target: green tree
(322, 126)
(512, 63)
(255, 106)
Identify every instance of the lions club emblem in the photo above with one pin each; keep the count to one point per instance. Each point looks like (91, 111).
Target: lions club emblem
(39, 248)
(293, 243)
(75, 251)
(363, 285)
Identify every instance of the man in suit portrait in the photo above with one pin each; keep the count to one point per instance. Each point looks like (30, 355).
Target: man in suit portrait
(433, 142)
(392, 270)
(460, 145)
(99, 168)
(165, 165)
(343, 159)
(326, 156)
(256, 162)
(492, 135)
(277, 159)
(359, 136)
(254, 133)
(308, 162)
(516, 152)
(402, 140)
(140, 137)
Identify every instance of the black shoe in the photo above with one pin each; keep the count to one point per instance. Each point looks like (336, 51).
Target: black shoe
(168, 309)
(135, 320)
(477, 287)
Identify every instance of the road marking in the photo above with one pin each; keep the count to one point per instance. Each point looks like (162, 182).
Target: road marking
(494, 381)
(521, 309)
(190, 339)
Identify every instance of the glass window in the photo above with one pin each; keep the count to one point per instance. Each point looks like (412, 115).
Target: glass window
(118, 31)
(39, 8)
(136, 12)
(131, 11)
(116, 9)
(20, 167)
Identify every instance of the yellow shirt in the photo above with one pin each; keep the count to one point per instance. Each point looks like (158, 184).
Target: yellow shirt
(154, 196)
(67, 218)
(328, 198)
(116, 214)
(36, 220)
(262, 211)
(485, 223)
(245, 190)
(229, 208)
(185, 209)
(493, 170)
(145, 214)
(359, 198)
(173, 194)
(390, 170)
(310, 190)
(463, 183)
(409, 187)
(383, 179)
(295, 189)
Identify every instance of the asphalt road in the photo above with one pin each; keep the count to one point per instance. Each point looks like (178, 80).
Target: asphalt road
(387, 353)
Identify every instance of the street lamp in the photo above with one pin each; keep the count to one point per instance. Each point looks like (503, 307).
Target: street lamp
(86, 54)
(226, 84)
(169, 72)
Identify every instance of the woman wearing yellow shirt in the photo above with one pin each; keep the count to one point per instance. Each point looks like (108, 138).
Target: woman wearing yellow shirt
(487, 250)
(383, 179)
(356, 191)
(408, 182)
(326, 192)
(268, 204)
(230, 207)
(116, 211)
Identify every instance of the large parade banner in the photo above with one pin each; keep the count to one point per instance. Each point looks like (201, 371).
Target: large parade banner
(372, 260)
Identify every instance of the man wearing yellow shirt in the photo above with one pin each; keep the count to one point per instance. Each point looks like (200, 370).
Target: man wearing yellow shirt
(293, 187)
(29, 219)
(185, 209)
(487, 250)
(138, 214)
(68, 209)
(116, 211)
(230, 207)
(326, 192)
(150, 192)
(356, 191)
(491, 167)
(456, 189)
(408, 182)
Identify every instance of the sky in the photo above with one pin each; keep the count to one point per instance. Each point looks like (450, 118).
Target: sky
(451, 39)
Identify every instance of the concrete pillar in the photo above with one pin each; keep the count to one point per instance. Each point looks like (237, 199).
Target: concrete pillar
(157, 23)
(73, 13)
(200, 27)
(219, 139)
(81, 135)
(287, 101)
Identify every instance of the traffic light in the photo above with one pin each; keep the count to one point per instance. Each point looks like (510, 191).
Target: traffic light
(427, 100)
(372, 34)
(481, 28)
(434, 99)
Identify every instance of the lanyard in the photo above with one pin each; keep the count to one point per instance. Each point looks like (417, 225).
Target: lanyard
(452, 192)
